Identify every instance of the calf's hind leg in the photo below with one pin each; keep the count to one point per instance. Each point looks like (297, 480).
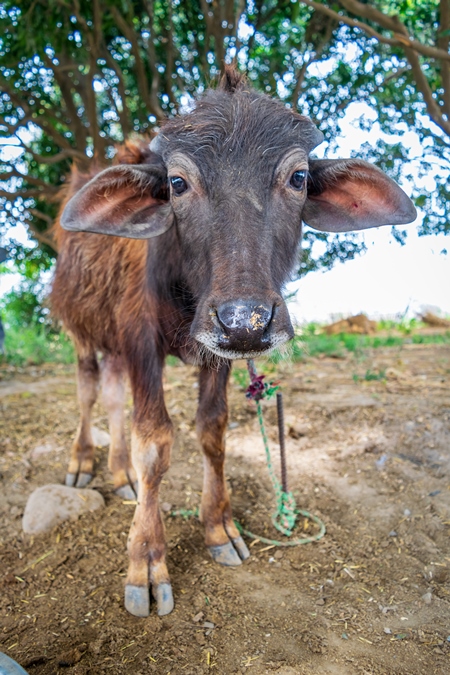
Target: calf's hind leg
(221, 534)
(81, 465)
(113, 397)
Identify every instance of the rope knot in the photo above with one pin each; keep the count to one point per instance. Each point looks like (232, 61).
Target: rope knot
(285, 517)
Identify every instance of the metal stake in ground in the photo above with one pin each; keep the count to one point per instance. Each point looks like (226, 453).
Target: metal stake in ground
(280, 415)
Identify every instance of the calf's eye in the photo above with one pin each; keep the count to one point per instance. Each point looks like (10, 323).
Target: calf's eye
(178, 184)
(298, 180)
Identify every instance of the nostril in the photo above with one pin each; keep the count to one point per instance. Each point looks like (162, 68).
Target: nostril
(251, 317)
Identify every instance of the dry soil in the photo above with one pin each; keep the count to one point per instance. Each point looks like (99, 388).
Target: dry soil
(370, 457)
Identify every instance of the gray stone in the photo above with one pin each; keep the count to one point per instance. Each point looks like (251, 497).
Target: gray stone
(427, 597)
(52, 504)
(101, 438)
(44, 449)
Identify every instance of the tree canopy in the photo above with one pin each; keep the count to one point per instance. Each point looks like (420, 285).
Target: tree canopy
(78, 76)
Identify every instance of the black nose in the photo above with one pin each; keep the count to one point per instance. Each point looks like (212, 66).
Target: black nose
(244, 324)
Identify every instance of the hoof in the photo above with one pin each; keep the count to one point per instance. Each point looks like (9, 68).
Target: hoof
(225, 555)
(71, 479)
(137, 600)
(79, 480)
(241, 547)
(164, 598)
(10, 667)
(126, 492)
(83, 479)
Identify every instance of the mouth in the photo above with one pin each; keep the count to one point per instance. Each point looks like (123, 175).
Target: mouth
(211, 342)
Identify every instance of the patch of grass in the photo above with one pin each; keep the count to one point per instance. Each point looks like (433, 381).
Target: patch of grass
(172, 361)
(310, 343)
(405, 326)
(35, 344)
(370, 376)
(439, 338)
(240, 377)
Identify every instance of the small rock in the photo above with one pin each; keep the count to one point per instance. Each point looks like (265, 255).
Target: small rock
(298, 430)
(44, 449)
(320, 601)
(198, 617)
(382, 461)
(72, 656)
(387, 631)
(426, 597)
(208, 624)
(100, 438)
(52, 504)
(393, 533)
(278, 555)
(166, 507)
(406, 513)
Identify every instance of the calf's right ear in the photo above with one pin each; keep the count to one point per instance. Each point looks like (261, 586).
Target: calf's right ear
(125, 201)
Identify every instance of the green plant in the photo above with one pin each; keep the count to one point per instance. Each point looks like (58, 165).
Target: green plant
(34, 345)
(172, 361)
(370, 376)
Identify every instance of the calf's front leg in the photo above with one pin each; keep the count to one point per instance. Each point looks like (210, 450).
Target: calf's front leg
(151, 444)
(221, 534)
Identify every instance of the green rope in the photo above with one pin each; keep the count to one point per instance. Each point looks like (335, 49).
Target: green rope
(285, 516)
(284, 519)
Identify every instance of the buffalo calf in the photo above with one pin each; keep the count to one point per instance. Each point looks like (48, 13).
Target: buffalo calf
(206, 224)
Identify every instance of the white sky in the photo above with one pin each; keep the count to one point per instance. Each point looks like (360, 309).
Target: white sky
(385, 281)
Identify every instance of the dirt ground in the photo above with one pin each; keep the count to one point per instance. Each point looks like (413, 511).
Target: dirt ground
(370, 457)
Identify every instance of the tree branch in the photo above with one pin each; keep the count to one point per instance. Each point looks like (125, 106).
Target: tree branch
(321, 42)
(433, 108)
(11, 196)
(151, 53)
(37, 182)
(443, 42)
(123, 114)
(48, 159)
(130, 35)
(170, 57)
(39, 121)
(64, 87)
(42, 237)
(400, 40)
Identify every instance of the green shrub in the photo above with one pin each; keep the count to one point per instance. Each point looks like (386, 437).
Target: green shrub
(35, 344)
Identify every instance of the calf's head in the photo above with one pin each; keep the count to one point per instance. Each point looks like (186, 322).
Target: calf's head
(235, 180)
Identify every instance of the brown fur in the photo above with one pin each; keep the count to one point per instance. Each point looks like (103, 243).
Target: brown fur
(136, 302)
(218, 207)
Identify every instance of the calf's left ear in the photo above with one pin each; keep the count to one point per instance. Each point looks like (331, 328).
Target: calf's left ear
(124, 201)
(350, 194)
